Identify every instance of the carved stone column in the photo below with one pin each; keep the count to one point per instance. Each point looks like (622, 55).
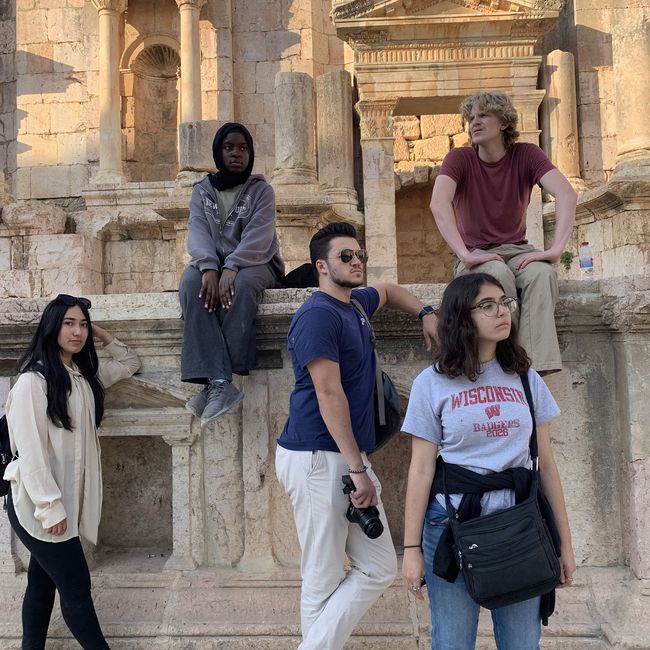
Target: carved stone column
(190, 60)
(631, 53)
(560, 115)
(181, 558)
(379, 187)
(110, 133)
(335, 153)
(258, 443)
(295, 158)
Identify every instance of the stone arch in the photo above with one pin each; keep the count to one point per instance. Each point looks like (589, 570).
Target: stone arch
(150, 68)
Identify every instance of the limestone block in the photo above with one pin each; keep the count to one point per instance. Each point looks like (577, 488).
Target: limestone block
(36, 58)
(5, 254)
(20, 284)
(195, 145)
(249, 108)
(50, 182)
(7, 67)
(435, 148)
(421, 174)
(37, 150)
(76, 281)
(461, 140)
(79, 177)
(64, 25)
(139, 255)
(70, 56)
(63, 252)
(401, 149)
(265, 76)
(408, 126)
(71, 149)
(69, 118)
(244, 77)
(440, 125)
(35, 119)
(24, 183)
(250, 47)
(31, 27)
(34, 216)
(257, 16)
(281, 45)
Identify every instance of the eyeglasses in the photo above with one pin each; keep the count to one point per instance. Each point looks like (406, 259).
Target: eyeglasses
(71, 301)
(347, 255)
(491, 307)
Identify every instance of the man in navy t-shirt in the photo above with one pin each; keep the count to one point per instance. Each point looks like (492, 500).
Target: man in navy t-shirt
(329, 430)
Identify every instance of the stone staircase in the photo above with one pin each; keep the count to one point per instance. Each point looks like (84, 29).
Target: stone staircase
(148, 608)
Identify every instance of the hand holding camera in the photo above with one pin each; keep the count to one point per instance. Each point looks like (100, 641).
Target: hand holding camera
(368, 518)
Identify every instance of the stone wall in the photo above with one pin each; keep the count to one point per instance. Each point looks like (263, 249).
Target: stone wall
(7, 96)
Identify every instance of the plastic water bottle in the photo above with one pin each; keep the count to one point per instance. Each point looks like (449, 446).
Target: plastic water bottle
(586, 260)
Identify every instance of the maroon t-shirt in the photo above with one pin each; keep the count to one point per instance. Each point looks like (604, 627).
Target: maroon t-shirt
(491, 198)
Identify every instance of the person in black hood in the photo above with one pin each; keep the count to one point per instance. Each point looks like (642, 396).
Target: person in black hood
(235, 255)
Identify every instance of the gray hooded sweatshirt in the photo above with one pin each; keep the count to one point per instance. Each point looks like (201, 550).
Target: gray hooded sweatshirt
(244, 237)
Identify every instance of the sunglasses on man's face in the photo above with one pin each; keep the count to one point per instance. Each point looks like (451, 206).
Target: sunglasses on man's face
(71, 301)
(347, 255)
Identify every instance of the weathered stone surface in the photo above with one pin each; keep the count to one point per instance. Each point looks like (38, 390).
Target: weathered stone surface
(432, 125)
(435, 148)
(406, 126)
(34, 216)
(401, 149)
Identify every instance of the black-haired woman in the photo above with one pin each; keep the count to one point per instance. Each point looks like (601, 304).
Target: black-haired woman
(235, 256)
(53, 411)
(470, 409)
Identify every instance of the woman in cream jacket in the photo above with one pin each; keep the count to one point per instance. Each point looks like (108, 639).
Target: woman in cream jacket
(53, 411)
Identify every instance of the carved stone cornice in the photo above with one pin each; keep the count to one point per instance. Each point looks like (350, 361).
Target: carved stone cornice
(117, 6)
(195, 4)
(360, 9)
(376, 117)
(366, 54)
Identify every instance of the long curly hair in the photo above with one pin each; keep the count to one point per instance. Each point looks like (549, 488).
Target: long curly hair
(499, 105)
(44, 356)
(457, 350)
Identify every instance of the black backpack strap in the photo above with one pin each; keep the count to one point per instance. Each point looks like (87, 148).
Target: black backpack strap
(379, 384)
(531, 406)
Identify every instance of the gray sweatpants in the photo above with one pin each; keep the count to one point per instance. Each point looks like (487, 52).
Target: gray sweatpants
(537, 286)
(215, 344)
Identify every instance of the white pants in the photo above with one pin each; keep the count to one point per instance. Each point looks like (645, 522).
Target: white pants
(332, 602)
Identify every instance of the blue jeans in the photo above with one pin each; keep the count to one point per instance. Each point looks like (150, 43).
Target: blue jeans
(454, 615)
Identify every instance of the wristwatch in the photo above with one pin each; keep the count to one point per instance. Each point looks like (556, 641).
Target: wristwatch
(427, 309)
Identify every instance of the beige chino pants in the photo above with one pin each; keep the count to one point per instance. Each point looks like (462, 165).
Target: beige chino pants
(332, 601)
(536, 286)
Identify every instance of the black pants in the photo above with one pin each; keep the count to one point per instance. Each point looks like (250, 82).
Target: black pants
(58, 567)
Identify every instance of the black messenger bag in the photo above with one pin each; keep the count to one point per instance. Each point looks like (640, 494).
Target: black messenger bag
(507, 556)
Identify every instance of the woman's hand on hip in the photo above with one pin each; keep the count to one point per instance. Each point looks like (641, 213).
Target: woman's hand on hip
(58, 529)
(413, 571)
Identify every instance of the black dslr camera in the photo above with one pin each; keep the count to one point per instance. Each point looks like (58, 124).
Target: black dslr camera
(367, 518)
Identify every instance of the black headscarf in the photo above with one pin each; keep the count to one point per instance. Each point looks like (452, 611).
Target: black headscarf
(223, 179)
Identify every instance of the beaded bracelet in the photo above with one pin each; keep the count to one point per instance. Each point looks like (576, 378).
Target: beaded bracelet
(357, 471)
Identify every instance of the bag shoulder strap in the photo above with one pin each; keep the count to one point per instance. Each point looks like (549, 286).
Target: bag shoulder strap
(379, 386)
(531, 406)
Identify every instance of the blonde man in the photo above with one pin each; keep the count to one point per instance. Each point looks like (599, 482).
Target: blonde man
(479, 204)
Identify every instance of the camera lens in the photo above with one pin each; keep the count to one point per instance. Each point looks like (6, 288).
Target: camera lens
(373, 529)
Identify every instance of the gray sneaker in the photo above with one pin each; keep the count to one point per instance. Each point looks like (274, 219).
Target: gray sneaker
(222, 396)
(196, 404)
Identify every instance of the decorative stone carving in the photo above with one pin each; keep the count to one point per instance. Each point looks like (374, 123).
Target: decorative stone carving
(376, 117)
(195, 4)
(110, 5)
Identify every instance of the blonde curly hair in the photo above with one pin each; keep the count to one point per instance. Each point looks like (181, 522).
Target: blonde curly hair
(498, 104)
